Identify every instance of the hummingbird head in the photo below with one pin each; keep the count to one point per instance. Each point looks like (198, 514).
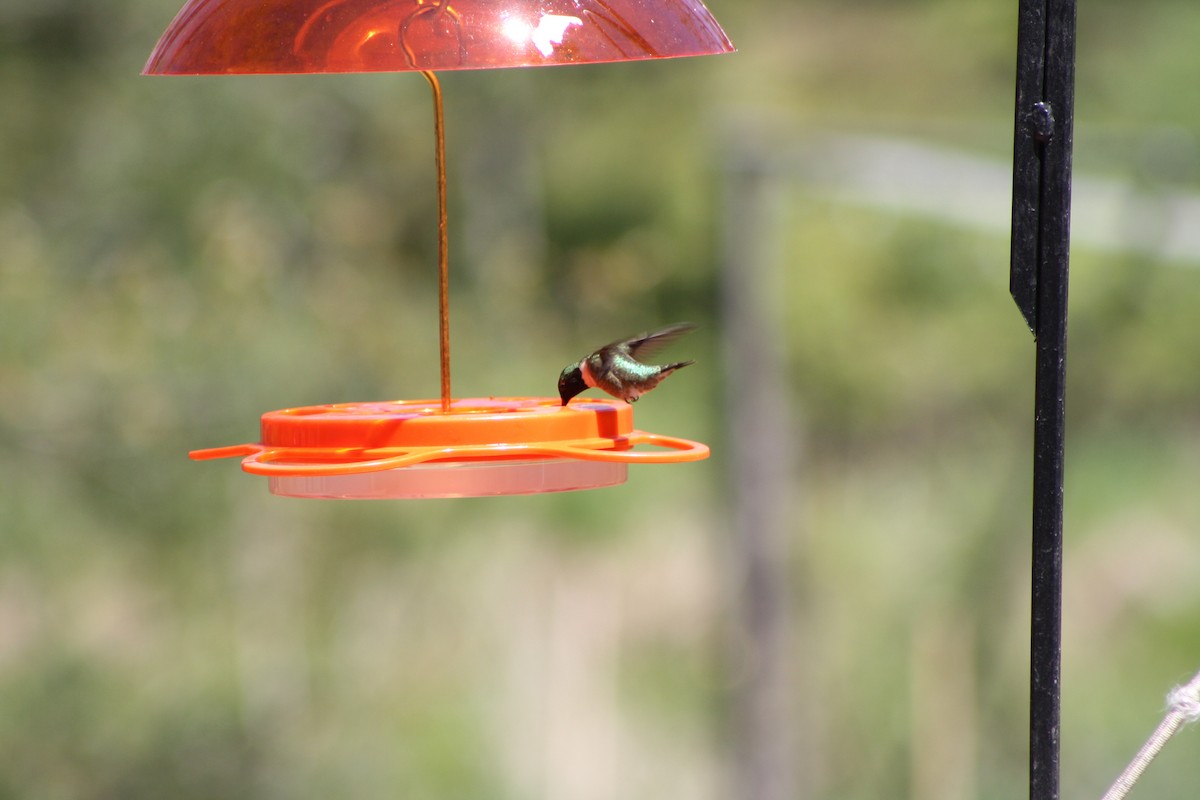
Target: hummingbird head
(570, 383)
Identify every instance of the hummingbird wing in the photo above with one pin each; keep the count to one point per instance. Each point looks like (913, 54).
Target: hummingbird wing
(617, 369)
(644, 345)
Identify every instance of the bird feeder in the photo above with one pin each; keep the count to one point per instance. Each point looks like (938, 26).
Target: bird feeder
(498, 445)
(447, 447)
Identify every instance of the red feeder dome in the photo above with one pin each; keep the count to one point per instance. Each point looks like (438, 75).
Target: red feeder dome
(221, 37)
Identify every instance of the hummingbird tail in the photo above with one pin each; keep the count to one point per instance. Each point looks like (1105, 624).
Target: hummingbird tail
(677, 365)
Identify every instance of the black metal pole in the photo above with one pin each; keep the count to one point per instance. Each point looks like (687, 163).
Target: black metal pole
(1038, 282)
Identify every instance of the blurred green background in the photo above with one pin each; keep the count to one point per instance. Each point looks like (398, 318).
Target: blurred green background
(178, 256)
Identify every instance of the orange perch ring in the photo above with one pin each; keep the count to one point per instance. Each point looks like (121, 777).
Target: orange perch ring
(481, 446)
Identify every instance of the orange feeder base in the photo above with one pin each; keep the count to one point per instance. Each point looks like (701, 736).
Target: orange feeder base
(480, 447)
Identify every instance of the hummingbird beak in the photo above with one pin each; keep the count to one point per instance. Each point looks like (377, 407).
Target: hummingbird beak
(570, 383)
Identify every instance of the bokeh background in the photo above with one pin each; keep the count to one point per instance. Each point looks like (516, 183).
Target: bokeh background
(179, 255)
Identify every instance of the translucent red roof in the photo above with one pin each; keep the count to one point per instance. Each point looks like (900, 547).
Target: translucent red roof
(210, 37)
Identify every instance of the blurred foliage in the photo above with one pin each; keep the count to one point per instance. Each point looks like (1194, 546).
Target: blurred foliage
(179, 255)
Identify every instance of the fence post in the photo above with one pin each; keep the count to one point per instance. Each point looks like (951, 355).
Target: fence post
(762, 462)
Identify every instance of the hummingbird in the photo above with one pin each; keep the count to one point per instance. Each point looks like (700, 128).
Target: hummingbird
(617, 369)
